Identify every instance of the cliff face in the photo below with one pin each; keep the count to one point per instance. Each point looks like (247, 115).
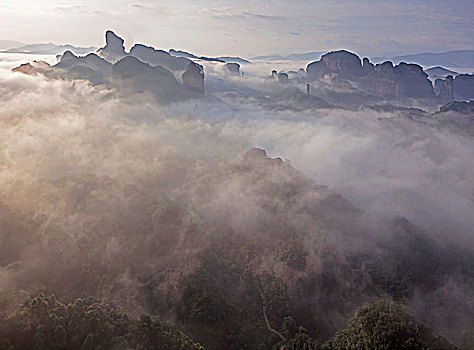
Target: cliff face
(131, 74)
(143, 69)
(384, 80)
(161, 58)
(113, 49)
(460, 88)
(193, 78)
(232, 68)
(445, 88)
(459, 107)
(464, 87)
(403, 80)
(343, 63)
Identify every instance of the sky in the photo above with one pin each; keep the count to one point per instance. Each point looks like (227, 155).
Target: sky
(248, 28)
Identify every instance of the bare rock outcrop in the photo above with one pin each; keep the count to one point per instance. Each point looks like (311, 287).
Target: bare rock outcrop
(232, 68)
(90, 67)
(444, 88)
(343, 63)
(463, 107)
(382, 80)
(367, 66)
(144, 70)
(464, 87)
(193, 78)
(402, 80)
(113, 49)
(459, 88)
(161, 58)
(32, 68)
(131, 74)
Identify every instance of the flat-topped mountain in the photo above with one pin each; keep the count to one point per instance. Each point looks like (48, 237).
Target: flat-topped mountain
(384, 80)
(389, 80)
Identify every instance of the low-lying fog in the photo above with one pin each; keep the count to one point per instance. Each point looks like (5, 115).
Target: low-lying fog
(383, 161)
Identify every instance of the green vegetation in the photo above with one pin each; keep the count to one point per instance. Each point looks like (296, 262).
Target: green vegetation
(385, 325)
(285, 269)
(86, 324)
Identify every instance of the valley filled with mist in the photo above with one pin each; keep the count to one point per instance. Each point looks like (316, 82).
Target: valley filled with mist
(165, 200)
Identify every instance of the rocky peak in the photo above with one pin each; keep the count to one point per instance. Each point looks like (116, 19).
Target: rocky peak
(232, 68)
(67, 55)
(113, 49)
(367, 66)
(193, 77)
(343, 63)
(161, 58)
(463, 87)
(402, 80)
(114, 43)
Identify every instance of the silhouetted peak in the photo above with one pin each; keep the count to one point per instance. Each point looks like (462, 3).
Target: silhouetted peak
(193, 77)
(114, 43)
(342, 62)
(67, 55)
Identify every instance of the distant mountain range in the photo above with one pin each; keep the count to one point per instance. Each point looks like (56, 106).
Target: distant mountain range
(9, 44)
(315, 55)
(452, 59)
(229, 59)
(181, 53)
(50, 49)
(440, 72)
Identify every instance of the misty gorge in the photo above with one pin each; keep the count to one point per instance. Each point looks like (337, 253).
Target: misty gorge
(159, 199)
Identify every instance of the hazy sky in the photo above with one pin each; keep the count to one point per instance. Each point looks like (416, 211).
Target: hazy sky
(248, 27)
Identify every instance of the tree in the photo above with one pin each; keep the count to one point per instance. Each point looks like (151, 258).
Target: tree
(384, 325)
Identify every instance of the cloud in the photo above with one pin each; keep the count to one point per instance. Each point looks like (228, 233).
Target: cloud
(265, 17)
(115, 188)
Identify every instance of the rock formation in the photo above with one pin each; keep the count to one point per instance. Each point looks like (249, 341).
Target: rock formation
(403, 80)
(90, 67)
(282, 78)
(459, 107)
(113, 49)
(144, 69)
(343, 63)
(460, 88)
(131, 74)
(367, 66)
(383, 80)
(464, 87)
(444, 89)
(232, 68)
(161, 58)
(193, 78)
(32, 68)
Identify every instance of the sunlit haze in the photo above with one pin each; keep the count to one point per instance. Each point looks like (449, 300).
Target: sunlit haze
(249, 27)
